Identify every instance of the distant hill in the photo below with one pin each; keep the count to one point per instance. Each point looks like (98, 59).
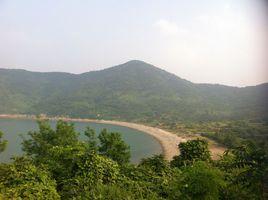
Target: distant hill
(134, 91)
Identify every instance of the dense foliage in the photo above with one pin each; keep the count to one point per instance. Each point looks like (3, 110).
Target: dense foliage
(3, 143)
(190, 152)
(57, 165)
(234, 133)
(23, 180)
(134, 91)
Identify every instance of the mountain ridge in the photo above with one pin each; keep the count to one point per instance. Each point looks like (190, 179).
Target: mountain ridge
(133, 91)
(124, 64)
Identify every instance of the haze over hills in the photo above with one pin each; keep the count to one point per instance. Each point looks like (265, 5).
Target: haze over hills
(134, 91)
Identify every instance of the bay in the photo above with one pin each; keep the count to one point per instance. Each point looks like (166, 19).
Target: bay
(141, 144)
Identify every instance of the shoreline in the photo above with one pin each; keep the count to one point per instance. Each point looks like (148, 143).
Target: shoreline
(167, 140)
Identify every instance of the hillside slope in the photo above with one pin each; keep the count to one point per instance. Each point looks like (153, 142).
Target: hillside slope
(134, 91)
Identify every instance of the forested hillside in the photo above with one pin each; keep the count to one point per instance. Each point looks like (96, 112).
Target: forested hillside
(134, 91)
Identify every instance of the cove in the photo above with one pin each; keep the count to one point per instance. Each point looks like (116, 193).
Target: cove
(141, 144)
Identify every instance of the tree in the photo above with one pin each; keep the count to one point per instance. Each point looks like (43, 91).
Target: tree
(90, 170)
(92, 139)
(190, 152)
(56, 149)
(201, 181)
(62, 161)
(248, 168)
(45, 138)
(23, 180)
(156, 163)
(112, 146)
(65, 134)
(40, 141)
(3, 143)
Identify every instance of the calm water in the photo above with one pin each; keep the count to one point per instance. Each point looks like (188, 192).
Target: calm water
(141, 145)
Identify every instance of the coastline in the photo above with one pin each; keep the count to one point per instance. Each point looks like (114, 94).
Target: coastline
(168, 141)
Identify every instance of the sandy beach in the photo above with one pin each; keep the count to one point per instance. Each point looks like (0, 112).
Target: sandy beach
(169, 141)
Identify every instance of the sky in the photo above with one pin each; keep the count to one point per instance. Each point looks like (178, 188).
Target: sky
(208, 41)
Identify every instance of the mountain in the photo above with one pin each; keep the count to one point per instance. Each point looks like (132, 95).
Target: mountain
(134, 91)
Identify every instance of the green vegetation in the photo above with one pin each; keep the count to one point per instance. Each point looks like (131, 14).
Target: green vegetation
(234, 133)
(134, 91)
(190, 152)
(112, 146)
(23, 180)
(56, 165)
(3, 143)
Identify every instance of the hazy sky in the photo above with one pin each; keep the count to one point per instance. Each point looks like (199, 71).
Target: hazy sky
(212, 41)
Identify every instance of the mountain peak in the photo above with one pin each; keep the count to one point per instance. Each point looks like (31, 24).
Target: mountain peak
(133, 65)
(136, 62)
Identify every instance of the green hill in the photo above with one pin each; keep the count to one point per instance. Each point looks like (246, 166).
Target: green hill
(134, 91)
